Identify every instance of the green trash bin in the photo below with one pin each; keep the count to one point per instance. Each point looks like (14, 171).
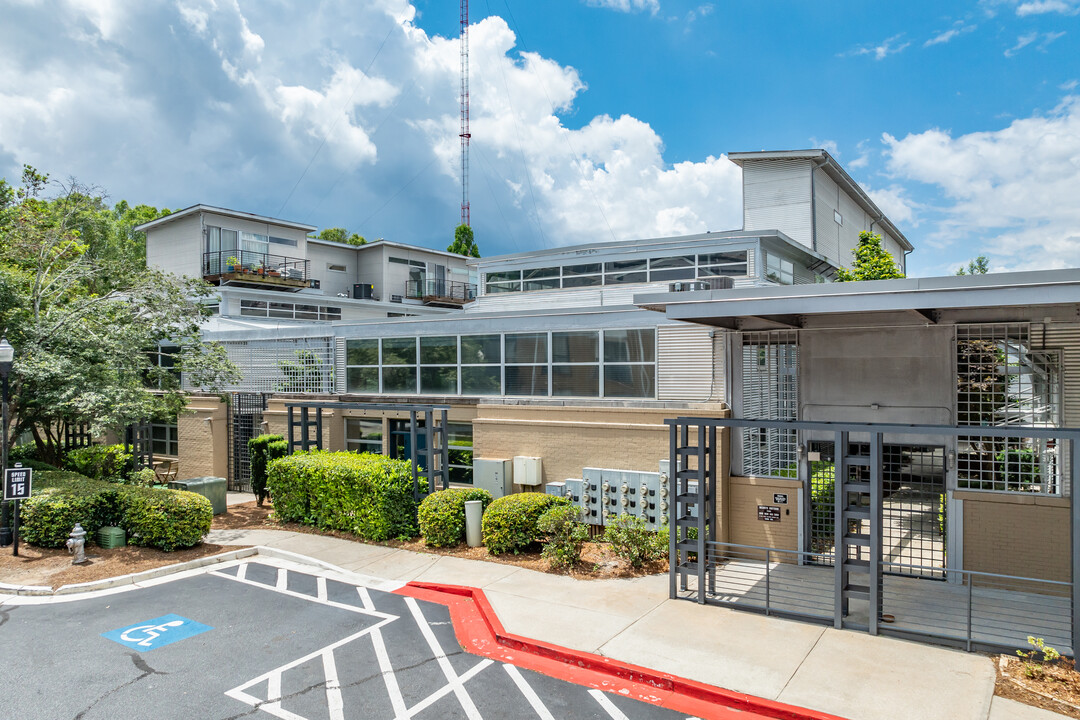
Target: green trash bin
(211, 488)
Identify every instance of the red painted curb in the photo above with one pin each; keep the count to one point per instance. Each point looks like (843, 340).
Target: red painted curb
(478, 628)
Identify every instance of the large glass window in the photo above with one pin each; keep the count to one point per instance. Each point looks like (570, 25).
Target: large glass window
(530, 378)
(164, 440)
(481, 368)
(363, 435)
(630, 363)
(779, 270)
(459, 451)
(726, 264)
(681, 267)
(362, 365)
(438, 361)
(575, 358)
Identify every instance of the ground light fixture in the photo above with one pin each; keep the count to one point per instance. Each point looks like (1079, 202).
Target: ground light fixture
(7, 359)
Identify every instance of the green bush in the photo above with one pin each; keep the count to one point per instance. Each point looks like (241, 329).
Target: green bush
(510, 522)
(61, 499)
(143, 477)
(1019, 467)
(823, 500)
(35, 465)
(632, 540)
(99, 462)
(260, 454)
(164, 519)
(442, 515)
(370, 495)
(23, 453)
(566, 535)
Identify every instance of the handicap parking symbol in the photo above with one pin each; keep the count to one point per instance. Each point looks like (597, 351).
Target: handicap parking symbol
(152, 634)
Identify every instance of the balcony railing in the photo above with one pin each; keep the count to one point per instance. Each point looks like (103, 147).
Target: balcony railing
(255, 267)
(438, 292)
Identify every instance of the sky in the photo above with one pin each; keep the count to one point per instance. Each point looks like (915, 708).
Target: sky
(591, 120)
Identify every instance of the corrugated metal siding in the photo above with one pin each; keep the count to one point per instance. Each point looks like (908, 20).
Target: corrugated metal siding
(776, 195)
(339, 365)
(1066, 337)
(828, 232)
(688, 367)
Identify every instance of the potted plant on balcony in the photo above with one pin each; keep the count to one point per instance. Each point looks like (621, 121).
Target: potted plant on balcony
(232, 263)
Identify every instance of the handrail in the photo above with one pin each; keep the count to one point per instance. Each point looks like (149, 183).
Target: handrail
(453, 289)
(217, 262)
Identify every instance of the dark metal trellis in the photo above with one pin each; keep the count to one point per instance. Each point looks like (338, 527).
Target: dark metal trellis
(429, 462)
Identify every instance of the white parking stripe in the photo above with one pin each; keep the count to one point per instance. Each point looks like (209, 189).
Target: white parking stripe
(528, 692)
(448, 670)
(282, 579)
(241, 572)
(320, 583)
(389, 678)
(609, 707)
(446, 689)
(334, 702)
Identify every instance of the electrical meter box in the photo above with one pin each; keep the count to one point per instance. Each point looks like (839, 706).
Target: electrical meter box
(527, 471)
(591, 500)
(556, 488)
(494, 475)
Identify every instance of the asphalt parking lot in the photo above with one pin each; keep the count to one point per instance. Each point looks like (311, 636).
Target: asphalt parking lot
(259, 639)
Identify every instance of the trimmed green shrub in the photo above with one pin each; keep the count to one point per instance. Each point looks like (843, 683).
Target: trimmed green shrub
(143, 477)
(259, 452)
(23, 453)
(35, 465)
(60, 500)
(442, 515)
(510, 522)
(367, 494)
(164, 519)
(566, 535)
(632, 540)
(99, 462)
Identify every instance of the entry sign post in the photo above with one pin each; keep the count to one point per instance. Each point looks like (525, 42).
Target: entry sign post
(17, 482)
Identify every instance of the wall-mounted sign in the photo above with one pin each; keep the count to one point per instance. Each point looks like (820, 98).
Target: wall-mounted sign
(768, 513)
(780, 498)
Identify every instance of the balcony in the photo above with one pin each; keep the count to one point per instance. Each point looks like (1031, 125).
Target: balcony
(440, 293)
(256, 269)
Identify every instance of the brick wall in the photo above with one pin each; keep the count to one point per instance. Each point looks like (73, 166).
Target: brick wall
(1016, 534)
(743, 526)
(571, 438)
(202, 433)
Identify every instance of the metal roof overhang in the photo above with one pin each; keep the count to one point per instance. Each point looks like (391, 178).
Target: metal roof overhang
(1006, 297)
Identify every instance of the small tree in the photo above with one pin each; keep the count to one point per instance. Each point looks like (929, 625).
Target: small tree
(341, 235)
(872, 262)
(464, 244)
(978, 266)
(261, 450)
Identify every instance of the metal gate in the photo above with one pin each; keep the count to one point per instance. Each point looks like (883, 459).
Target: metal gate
(245, 422)
(913, 530)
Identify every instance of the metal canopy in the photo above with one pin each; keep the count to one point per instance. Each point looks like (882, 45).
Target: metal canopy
(302, 423)
(1025, 296)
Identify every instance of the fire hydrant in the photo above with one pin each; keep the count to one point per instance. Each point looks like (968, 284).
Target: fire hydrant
(76, 545)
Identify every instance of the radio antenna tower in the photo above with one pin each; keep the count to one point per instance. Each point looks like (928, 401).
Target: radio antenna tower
(465, 135)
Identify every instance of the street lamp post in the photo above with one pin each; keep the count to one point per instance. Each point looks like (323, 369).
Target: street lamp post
(7, 359)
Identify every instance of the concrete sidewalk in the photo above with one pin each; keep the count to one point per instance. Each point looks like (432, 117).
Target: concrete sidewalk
(851, 674)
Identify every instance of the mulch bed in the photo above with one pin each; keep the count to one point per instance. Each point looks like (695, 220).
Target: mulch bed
(52, 567)
(597, 560)
(1056, 687)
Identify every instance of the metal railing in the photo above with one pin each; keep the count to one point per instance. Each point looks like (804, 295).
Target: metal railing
(255, 265)
(440, 289)
(973, 610)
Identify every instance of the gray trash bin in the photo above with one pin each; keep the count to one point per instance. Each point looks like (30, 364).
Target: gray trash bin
(211, 488)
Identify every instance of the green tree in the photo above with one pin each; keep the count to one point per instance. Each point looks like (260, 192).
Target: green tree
(872, 262)
(88, 319)
(464, 244)
(978, 266)
(341, 235)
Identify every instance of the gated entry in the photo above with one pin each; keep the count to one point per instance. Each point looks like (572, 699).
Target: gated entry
(913, 506)
(245, 422)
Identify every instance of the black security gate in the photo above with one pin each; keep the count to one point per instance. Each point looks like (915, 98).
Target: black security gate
(913, 529)
(245, 422)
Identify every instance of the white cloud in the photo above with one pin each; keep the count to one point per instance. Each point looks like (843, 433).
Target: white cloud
(627, 6)
(1068, 86)
(1013, 190)
(214, 101)
(895, 203)
(1022, 42)
(829, 145)
(1040, 7)
(890, 46)
(944, 37)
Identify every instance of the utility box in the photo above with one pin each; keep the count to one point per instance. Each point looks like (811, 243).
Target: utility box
(527, 471)
(556, 488)
(211, 488)
(494, 475)
(363, 291)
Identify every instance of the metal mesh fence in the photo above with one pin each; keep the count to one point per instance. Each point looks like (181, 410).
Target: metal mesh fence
(770, 392)
(286, 365)
(1002, 382)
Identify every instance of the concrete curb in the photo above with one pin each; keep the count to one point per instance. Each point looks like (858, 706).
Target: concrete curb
(131, 578)
(576, 659)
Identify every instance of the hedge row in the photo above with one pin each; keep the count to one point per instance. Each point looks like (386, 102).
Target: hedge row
(511, 522)
(442, 515)
(159, 518)
(370, 495)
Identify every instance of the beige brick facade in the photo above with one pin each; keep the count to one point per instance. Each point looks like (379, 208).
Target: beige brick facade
(570, 438)
(1016, 534)
(203, 435)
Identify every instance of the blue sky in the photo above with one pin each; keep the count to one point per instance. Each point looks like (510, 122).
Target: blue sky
(592, 119)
